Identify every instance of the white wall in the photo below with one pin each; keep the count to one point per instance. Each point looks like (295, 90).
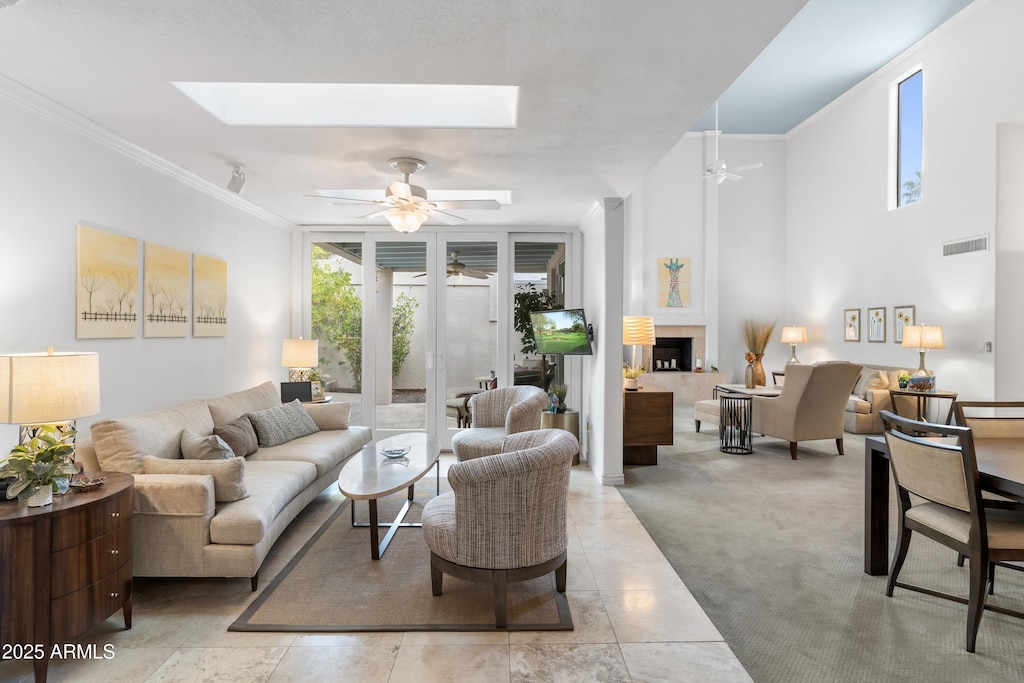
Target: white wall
(54, 178)
(1009, 369)
(845, 249)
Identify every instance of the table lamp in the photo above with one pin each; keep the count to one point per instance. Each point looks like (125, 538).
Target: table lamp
(299, 356)
(923, 337)
(637, 330)
(793, 336)
(39, 389)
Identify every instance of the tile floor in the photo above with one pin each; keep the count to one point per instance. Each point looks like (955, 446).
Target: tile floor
(635, 621)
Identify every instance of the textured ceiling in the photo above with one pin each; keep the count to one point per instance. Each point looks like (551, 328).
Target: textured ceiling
(606, 87)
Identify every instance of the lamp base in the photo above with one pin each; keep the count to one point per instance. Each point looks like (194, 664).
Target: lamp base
(65, 431)
(922, 371)
(792, 358)
(298, 374)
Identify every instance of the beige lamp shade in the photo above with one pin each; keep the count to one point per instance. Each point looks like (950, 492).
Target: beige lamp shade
(923, 337)
(794, 335)
(48, 388)
(300, 353)
(638, 330)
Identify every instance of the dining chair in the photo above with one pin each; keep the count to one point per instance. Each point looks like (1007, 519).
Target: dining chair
(936, 474)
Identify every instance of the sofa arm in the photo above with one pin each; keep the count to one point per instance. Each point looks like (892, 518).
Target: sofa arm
(879, 400)
(174, 494)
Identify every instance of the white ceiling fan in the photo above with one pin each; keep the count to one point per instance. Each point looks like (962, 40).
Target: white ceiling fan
(406, 206)
(456, 267)
(717, 170)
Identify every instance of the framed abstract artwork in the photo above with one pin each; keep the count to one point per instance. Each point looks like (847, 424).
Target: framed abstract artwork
(851, 324)
(209, 296)
(901, 317)
(108, 285)
(165, 292)
(876, 324)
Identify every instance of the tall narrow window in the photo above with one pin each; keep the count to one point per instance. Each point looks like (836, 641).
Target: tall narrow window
(909, 136)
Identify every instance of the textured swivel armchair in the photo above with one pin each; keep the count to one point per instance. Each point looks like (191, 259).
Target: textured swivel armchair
(810, 406)
(497, 413)
(505, 518)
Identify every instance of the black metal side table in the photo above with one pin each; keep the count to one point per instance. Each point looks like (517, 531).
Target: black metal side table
(735, 423)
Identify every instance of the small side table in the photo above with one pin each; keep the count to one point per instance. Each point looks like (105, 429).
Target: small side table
(569, 421)
(922, 401)
(735, 423)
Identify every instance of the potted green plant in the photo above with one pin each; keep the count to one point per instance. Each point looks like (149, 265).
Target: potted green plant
(903, 379)
(631, 377)
(560, 391)
(40, 466)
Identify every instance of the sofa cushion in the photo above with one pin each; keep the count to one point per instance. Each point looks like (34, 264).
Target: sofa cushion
(228, 475)
(330, 415)
(212, 447)
(282, 423)
(856, 404)
(272, 485)
(324, 449)
(870, 378)
(121, 443)
(230, 407)
(240, 435)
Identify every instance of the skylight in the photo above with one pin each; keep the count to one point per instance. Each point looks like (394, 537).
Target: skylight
(357, 105)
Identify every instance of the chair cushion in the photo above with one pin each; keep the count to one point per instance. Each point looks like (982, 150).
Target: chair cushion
(240, 435)
(282, 423)
(228, 475)
(439, 526)
(478, 442)
(707, 411)
(195, 447)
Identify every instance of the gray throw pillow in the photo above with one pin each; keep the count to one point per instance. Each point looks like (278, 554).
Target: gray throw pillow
(280, 424)
(240, 435)
(195, 447)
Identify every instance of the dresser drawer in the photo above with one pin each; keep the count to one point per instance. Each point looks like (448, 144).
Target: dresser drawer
(86, 523)
(75, 613)
(84, 564)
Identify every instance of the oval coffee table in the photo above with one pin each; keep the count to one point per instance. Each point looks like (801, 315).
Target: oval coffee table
(370, 474)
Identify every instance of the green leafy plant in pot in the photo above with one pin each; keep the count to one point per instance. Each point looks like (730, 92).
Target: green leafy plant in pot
(40, 466)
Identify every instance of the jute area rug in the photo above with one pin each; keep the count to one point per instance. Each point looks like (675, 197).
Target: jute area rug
(332, 585)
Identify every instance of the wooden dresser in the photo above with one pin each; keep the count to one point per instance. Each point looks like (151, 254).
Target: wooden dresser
(65, 567)
(647, 422)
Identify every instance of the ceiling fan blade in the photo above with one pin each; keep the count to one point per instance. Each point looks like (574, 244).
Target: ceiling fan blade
(344, 200)
(375, 214)
(399, 189)
(478, 274)
(446, 218)
(750, 167)
(469, 204)
(731, 176)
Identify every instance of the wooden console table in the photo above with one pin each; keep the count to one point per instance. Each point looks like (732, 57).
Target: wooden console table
(647, 422)
(65, 567)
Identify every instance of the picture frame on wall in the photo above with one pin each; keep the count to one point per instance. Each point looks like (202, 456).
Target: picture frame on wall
(901, 317)
(876, 324)
(851, 324)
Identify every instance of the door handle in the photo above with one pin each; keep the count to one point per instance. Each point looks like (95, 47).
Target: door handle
(430, 360)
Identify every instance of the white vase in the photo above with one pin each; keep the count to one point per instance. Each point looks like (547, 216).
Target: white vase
(629, 383)
(42, 497)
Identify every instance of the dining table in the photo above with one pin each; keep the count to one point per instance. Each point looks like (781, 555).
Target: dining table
(1000, 470)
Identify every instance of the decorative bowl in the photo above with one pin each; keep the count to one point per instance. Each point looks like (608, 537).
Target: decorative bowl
(396, 452)
(88, 483)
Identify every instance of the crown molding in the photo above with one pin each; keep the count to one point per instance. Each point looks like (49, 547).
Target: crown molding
(52, 112)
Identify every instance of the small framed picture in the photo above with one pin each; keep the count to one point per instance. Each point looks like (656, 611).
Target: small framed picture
(851, 324)
(876, 324)
(317, 391)
(901, 317)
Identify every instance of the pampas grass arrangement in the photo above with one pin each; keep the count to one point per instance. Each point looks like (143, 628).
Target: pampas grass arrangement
(757, 333)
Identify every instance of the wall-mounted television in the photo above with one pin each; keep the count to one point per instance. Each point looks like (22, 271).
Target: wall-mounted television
(564, 332)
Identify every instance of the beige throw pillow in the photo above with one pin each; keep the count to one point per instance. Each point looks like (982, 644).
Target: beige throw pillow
(228, 475)
(195, 447)
(330, 415)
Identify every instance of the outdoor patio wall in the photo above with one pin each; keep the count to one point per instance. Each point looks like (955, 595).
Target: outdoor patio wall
(54, 178)
(847, 250)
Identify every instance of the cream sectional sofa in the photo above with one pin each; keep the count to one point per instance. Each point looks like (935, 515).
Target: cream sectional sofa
(179, 528)
(871, 396)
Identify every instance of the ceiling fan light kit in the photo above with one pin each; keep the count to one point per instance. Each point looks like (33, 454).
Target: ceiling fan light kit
(717, 169)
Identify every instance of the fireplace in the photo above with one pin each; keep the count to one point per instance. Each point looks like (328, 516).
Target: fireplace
(672, 354)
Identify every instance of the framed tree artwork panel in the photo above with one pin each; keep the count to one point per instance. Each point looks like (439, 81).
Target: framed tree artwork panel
(876, 324)
(851, 324)
(901, 317)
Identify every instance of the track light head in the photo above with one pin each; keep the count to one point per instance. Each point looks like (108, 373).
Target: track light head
(237, 181)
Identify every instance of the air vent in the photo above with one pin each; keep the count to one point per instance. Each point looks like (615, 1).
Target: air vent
(965, 246)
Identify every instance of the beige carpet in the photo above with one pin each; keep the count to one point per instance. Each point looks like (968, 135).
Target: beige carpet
(332, 585)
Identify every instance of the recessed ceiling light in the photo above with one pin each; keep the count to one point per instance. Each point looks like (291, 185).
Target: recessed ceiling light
(358, 105)
(503, 197)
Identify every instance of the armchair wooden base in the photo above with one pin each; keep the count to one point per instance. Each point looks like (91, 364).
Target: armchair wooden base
(498, 578)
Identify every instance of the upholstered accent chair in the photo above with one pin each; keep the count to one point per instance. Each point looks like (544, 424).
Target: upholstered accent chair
(505, 517)
(810, 406)
(939, 497)
(496, 414)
